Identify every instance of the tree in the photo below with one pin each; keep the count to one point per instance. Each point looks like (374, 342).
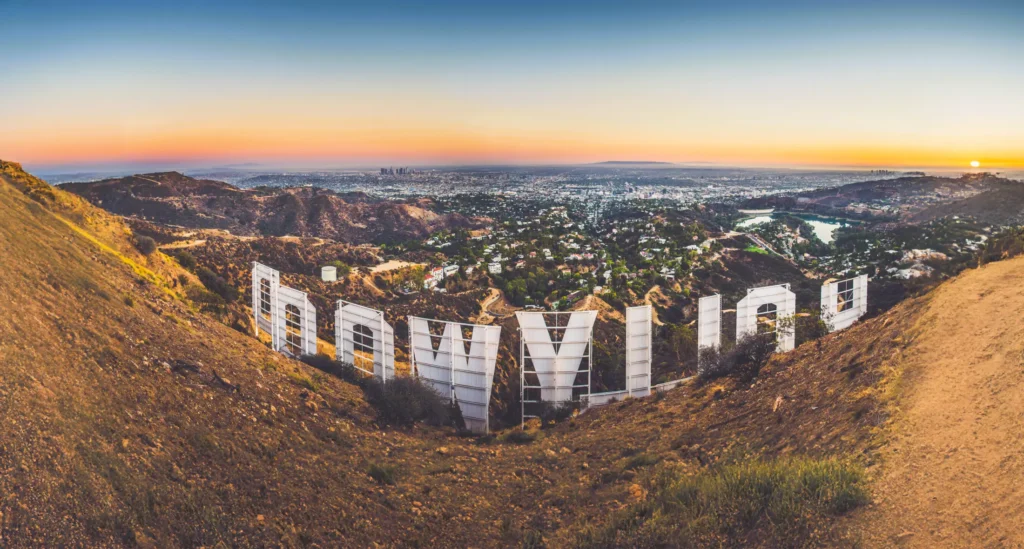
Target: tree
(681, 341)
(516, 292)
(343, 268)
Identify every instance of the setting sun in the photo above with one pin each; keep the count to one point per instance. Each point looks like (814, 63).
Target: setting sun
(975, 164)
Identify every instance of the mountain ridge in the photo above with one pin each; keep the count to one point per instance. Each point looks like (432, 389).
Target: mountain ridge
(171, 198)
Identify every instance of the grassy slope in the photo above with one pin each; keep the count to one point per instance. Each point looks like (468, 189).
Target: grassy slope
(102, 444)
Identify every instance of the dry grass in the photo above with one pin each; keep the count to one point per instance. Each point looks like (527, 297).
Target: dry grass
(778, 503)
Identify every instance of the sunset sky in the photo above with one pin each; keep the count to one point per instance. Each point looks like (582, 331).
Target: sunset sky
(893, 84)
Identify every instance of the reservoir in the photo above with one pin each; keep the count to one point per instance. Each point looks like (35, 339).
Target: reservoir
(824, 227)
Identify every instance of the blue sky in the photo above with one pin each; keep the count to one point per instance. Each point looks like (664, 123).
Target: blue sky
(780, 83)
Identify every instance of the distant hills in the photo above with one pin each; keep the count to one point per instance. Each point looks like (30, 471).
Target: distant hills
(984, 197)
(172, 198)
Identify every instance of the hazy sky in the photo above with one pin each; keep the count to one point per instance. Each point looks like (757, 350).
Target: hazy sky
(922, 84)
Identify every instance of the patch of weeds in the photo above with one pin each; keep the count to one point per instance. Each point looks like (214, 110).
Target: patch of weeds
(639, 461)
(383, 474)
(553, 412)
(781, 503)
(342, 370)
(518, 436)
(302, 380)
(532, 539)
(441, 469)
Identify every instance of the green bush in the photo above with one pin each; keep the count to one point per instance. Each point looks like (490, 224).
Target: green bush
(343, 268)
(383, 474)
(780, 503)
(145, 245)
(202, 296)
(217, 284)
(186, 260)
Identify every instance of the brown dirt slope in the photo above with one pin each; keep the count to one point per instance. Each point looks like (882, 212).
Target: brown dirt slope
(954, 474)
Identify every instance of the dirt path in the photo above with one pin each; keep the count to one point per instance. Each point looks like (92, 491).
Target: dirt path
(493, 307)
(953, 476)
(649, 300)
(393, 265)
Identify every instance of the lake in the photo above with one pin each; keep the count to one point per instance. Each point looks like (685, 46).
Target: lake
(824, 227)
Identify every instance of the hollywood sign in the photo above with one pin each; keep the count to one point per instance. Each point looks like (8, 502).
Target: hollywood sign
(458, 360)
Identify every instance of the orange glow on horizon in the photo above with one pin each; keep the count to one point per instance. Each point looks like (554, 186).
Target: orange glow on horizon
(425, 146)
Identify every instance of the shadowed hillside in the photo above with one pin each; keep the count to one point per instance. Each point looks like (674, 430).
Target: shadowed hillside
(175, 199)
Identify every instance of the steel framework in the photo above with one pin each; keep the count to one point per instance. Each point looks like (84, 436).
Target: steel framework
(360, 331)
(461, 369)
(534, 332)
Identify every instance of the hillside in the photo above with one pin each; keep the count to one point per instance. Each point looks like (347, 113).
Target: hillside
(171, 198)
(919, 198)
(131, 419)
(1001, 204)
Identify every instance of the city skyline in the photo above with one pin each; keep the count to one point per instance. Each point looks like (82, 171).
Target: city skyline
(796, 84)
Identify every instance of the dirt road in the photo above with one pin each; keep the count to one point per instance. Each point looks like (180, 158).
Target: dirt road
(953, 475)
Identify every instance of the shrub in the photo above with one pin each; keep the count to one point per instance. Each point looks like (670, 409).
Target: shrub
(342, 370)
(551, 412)
(383, 474)
(401, 401)
(406, 400)
(202, 296)
(217, 284)
(780, 502)
(145, 245)
(744, 360)
(312, 383)
(752, 353)
(640, 461)
(343, 268)
(518, 436)
(711, 364)
(810, 326)
(186, 260)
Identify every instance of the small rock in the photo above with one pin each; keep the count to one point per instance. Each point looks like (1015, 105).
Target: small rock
(637, 492)
(260, 518)
(443, 450)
